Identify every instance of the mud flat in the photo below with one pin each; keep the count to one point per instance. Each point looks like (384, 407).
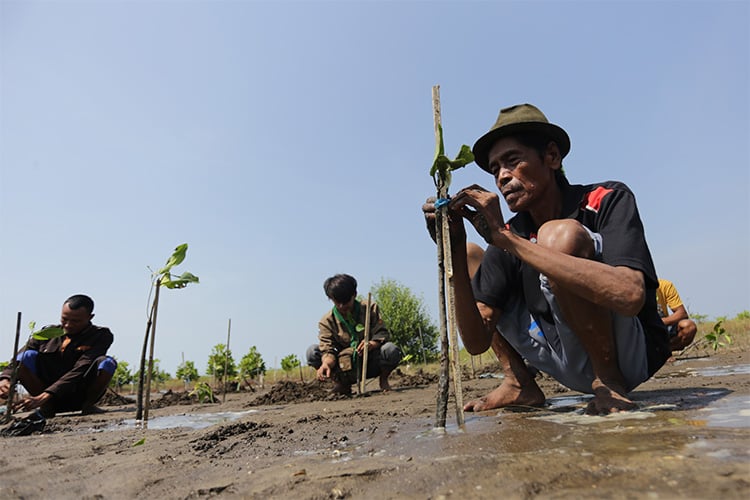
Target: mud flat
(689, 439)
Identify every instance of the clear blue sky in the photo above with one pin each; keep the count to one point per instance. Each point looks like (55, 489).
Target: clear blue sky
(289, 141)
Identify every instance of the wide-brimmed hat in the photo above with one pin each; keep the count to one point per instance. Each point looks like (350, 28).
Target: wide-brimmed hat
(521, 118)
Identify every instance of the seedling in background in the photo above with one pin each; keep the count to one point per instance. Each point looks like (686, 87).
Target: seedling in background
(203, 392)
(714, 338)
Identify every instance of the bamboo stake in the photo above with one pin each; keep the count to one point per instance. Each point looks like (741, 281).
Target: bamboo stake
(458, 394)
(142, 372)
(14, 373)
(447, 320)
(226, 364)
(365, 349)
(442, 396)
(147, 402)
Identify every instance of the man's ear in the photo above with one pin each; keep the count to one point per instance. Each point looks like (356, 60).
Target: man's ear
(552, 156)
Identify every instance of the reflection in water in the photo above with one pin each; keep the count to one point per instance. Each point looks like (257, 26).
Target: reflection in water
(732, 411)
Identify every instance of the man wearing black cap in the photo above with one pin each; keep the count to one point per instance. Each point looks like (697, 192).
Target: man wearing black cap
(566, 285)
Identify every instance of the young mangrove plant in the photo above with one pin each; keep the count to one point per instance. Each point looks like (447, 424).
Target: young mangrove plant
(289, 363)
(161, 278)
(442, 166)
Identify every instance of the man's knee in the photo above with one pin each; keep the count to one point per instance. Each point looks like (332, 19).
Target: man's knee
(474, 256)
(28, 360)
(314, 357)
(567, 236)
(686, 330)
(107, 364)
(390, 356)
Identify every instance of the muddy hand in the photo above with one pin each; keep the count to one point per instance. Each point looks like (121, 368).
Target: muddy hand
(428, 209)
(481, 208)
(456, 223)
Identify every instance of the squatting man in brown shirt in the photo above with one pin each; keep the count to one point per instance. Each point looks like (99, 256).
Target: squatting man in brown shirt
(341, 339)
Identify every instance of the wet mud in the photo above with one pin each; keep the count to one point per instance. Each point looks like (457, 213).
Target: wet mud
(690, 438)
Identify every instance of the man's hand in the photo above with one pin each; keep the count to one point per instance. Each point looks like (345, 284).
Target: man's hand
(456, 224)
(33, 402)
(326, 367)
(372, 344)
(4, 388)
(481, 208)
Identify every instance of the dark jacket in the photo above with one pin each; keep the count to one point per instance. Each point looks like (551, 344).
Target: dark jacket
(63, 370)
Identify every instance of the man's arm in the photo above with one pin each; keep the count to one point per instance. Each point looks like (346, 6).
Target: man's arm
(4, 388)
(677, 315)
(327, 349)
(476, 320)
(96, 346)
(617, 288)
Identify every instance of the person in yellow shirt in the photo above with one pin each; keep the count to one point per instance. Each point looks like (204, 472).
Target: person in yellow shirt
(681, 328)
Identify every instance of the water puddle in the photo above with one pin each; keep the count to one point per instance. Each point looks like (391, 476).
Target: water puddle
(190, 421)
(732, 412)
(722, 371)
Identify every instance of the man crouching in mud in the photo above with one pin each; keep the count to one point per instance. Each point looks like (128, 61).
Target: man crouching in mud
(567, 284)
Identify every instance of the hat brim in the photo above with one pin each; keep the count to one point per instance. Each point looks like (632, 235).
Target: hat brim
(483, 145)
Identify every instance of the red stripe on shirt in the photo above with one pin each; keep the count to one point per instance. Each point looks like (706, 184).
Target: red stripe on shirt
(594, 198)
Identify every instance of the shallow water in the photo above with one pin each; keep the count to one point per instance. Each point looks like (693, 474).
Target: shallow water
(190, 421)
(722, 371)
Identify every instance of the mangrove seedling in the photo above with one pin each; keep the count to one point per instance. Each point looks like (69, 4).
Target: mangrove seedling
(161, 278)
(440, 171)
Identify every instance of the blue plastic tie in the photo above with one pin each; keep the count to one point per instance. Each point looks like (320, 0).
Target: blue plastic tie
(441, 202)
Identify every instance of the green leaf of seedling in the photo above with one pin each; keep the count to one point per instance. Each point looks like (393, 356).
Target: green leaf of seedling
(32, 325)
(441, 170)
(442, 166)
(180, 282)
(177, 257)
(48, 333)
(463, 158)
(360, 328)
(140, 442)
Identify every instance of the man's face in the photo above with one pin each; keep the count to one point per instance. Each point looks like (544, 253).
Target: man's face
(522, 176)
(344, 307)
(74, 320)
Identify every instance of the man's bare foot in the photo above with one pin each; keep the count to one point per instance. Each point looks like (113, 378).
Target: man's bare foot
(384, 385)
(608, 399)
(508, 394)
(92, 410)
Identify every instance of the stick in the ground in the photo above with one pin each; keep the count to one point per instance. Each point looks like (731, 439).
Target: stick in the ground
(14, 372)
(442, 192)
(441, 172)
(365, 341)
(147, 402)
(226, 364)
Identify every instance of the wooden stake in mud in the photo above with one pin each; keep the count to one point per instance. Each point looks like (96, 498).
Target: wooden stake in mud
(447, 303)
(226, 363)
(366, 341)
(142, 373)
(147, 402)
(14, 372)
